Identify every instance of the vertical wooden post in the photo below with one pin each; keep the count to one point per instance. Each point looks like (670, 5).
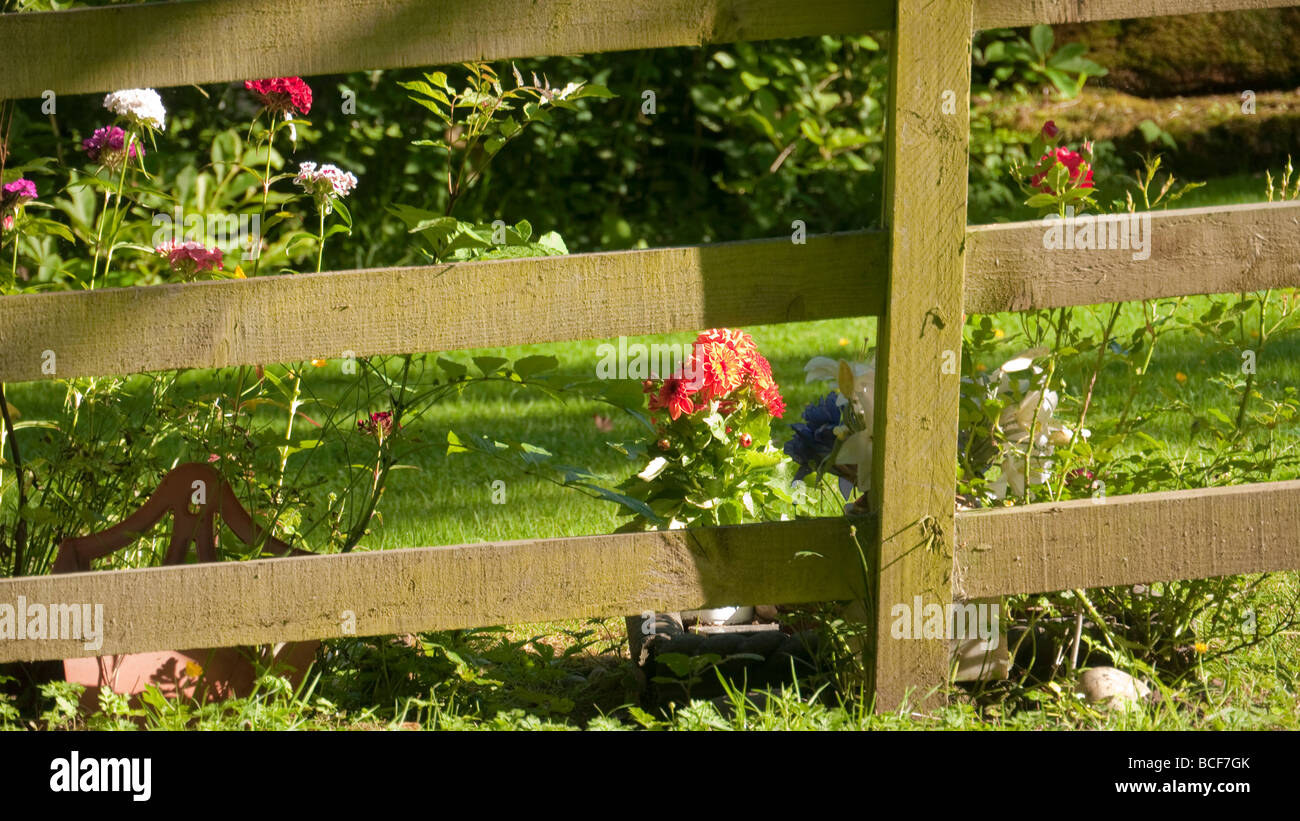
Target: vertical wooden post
(919, 349)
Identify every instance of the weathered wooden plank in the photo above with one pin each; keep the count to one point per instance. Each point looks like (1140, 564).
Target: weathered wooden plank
(1185, 534)
(1190, 251)
(205, 41)
(915, 451)
(442, 307)
(442, 588)
(991, 14)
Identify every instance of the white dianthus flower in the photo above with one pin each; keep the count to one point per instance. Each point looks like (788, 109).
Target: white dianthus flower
(142, 106)
(325, 184)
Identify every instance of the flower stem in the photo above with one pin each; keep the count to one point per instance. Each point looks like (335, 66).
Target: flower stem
(288, 428)
(266, 190)
(13, 271)
(99, 239)
(114, 225)
(20, 528)
(320, 248)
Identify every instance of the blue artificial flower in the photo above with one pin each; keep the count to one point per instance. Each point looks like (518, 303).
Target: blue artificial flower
(814, 438)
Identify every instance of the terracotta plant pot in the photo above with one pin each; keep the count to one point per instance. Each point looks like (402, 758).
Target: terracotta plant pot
(208, 675)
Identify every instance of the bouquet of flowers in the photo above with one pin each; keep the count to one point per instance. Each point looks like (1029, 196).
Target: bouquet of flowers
(834, 438)
(1010, 432)
(711, 458)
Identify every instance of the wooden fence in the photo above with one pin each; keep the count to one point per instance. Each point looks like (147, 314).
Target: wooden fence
(921, 272)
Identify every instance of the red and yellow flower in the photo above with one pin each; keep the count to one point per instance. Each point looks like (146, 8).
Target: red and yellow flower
(723, 363)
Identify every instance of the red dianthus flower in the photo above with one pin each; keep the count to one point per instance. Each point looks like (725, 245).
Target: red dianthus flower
(282, 94)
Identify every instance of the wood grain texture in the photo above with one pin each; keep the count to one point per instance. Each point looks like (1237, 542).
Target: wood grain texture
(206, 41)
(915, 440)
(1191, 251)
(991, 14)
(442, 588)
(1122, 540)
(443, 307)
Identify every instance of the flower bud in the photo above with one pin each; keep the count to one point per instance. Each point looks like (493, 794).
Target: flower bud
(1050, 132)
(746, 440)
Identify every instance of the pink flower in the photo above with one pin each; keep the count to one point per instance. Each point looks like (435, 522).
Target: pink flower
(191, 258)
(1074, 163)
(379, 424)
(15, 195)
(282, 94)
(325, 184)
(106, 144)
(20, 189)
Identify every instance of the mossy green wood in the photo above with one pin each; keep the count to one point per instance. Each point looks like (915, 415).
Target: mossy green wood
(1122, 540)
(206, 41)
(991, 14)
(278, 319)
(918, 360)
(1188, 251)
(388, 592)
(437, 308)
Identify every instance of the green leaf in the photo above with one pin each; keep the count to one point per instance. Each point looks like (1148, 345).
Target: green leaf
(343, 212)
(653, 469)
(429, 104)
(635, 505)
(1042, 39)
(811, 131)
(454, 444)
(532, 454)
(730, 513)
(48, 226)
(489, 364)
(454, 370)
(539, 363)
(593, 90)
(552, 241)
(421, 87)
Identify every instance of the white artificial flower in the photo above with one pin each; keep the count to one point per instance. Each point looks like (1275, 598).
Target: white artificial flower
(141, 106)
(825, 369)
(856, 450)
(1023, 360)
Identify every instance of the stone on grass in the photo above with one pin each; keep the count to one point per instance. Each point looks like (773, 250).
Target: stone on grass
(1111, 687)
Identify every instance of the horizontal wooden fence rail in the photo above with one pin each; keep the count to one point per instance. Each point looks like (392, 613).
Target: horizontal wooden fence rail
(1121, 540)
(1007, 13)
(207, 41)
(442, 588)
(1190, 251)
(1149, 537)
(591, 296)
(441, 307)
